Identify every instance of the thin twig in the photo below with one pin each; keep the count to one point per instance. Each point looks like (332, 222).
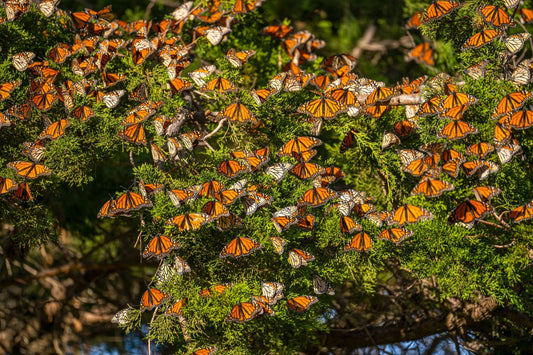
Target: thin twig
(217, 128)
(505, 245)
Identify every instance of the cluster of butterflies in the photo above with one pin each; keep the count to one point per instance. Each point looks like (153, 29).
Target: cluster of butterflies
(243, 162)
(101, 38)
(499, 18)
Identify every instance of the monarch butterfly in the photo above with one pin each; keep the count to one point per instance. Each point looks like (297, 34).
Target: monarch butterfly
(278, 170)
(376, 111)
(295, 41)
(210, 350)
(351, 195)
(507, 151)
(415, 21)
(190, 139)
(262, 95)
(199, 74)
(457, 129)
(298, 145)
(82, 113)
(149, 189)
(264, 303)
(179, 196)
(476, 71)
(256, 161)
(360, 242)
(237, 112)
(481, 38)
(321, 81)
(515, 42)
(189, 221)
(297, 82)
(316, 196)
(430, 107)
(422, 54)
(243, 312)
(483, 168)
(495, 16)
(307, 222)
(380, 94)
(105, 210)
(237, 59)
(219, 84)
(339, 64)
(175, 310)
(348, 225)
(301, 303)
(277, 82)
(5, 121)
(130, 201)
(55, 130)
(304, 156)
(395, 235)
(209, 188)
(378, 218)
(456, 99)
(178, 85)
(215, 209)
(86, 46)
(134, 134)
(362, 209)
(407, 156)
(344, 207)
(22, 60)
(283, 222)
(83, 66)
(521, 75)
(305, 170)
(501, 135)
(232, 168)
(485, 193)
(410, 214)
(272, 290)
(181, 265)
(321, 286)
(228, 197)
(216, 290)
(254, 201)
(299, 258)
(468, 212)
(164, 273)
(80, 19)
(22, 193)
(151, 298)
(433, 148)
(121, 317)
(438, 9)
(159, 247)
(510, 103)
(240, 246)
(480, 149)
(323, 107)
(277, 31)
(29, 170)
(417, 167)
(278, 243)
(140, 50)
(522, 213)
(7, 88)
(526, 14)
(7, 185)
(511, 4)
(431, 187)
(216, 34)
